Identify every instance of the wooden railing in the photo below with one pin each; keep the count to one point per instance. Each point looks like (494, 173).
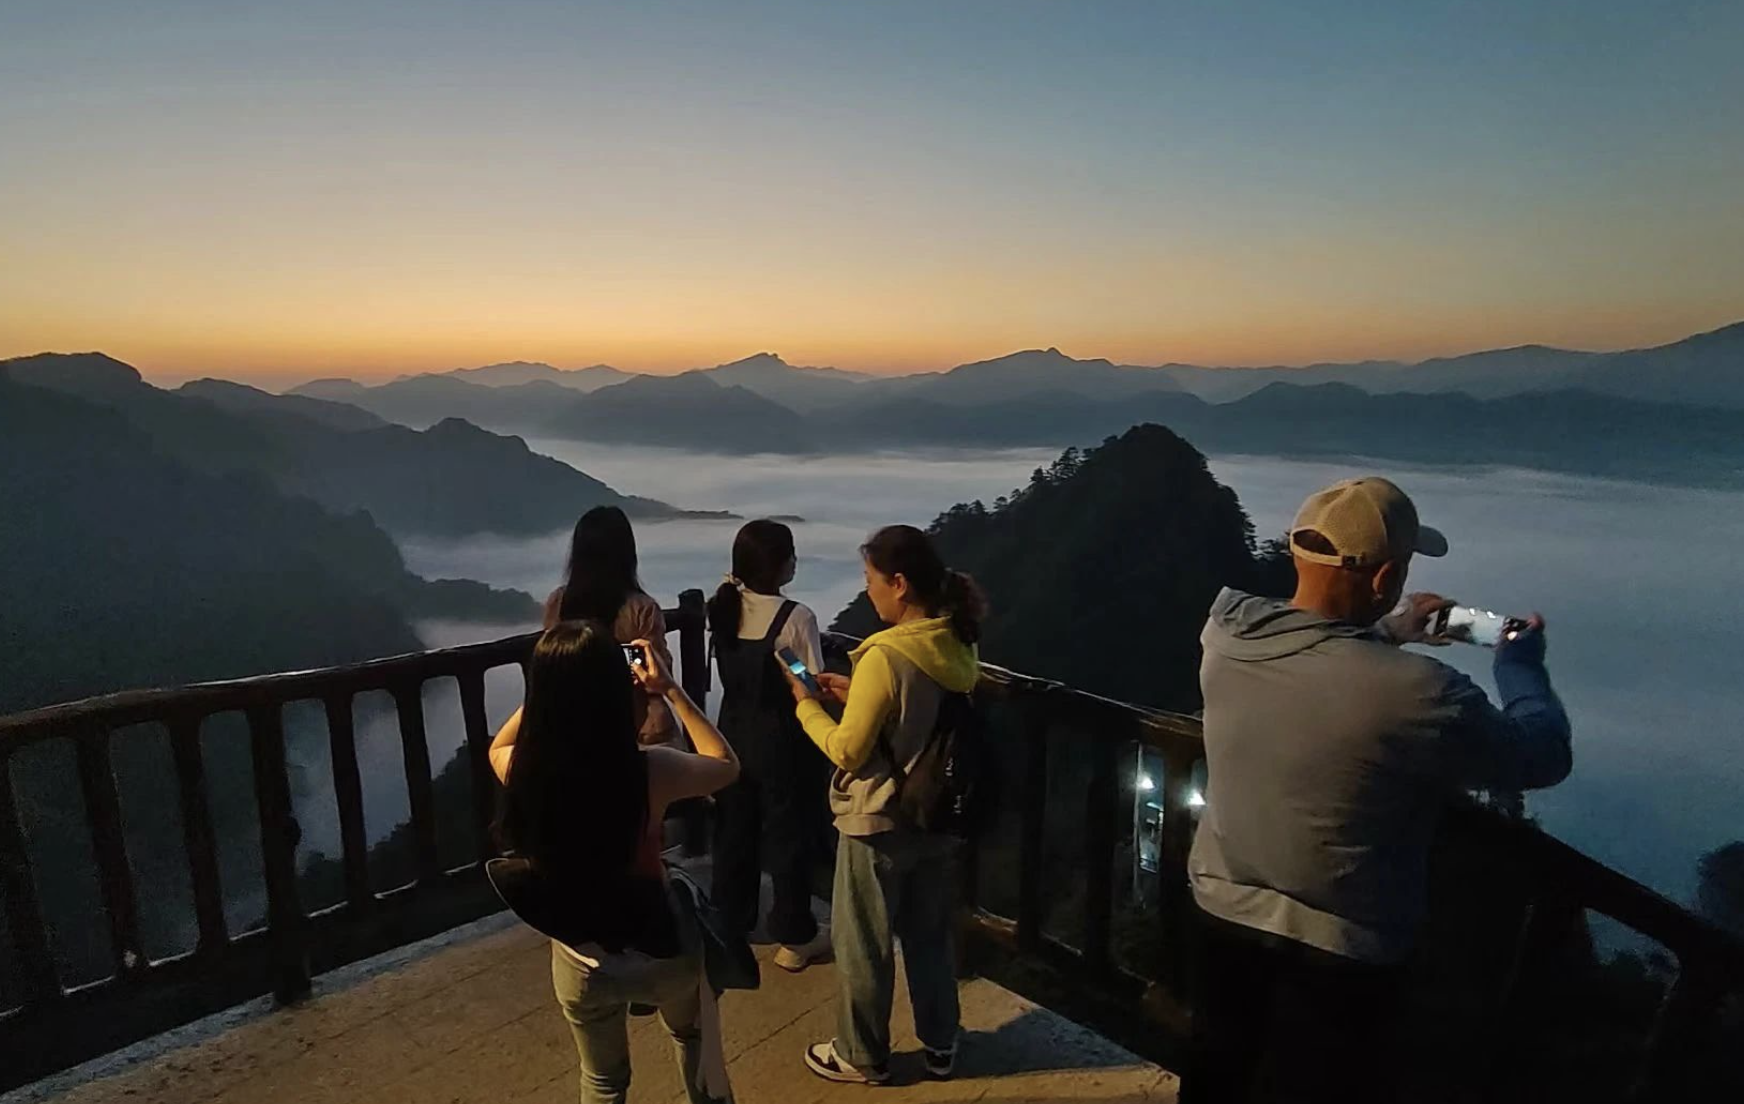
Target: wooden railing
(56, 1025)
(1066, 787)
(1563, 885)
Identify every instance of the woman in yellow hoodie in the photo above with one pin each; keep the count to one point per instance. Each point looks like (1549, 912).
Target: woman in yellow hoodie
(893, 881)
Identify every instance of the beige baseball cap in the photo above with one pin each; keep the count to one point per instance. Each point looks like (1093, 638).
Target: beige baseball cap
(1367, 521)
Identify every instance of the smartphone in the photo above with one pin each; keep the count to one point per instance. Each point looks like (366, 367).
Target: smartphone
(1475, 626)
(799, 669)
(634, 656)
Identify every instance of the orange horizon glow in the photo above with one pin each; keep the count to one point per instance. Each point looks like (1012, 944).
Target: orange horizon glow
(285, 359)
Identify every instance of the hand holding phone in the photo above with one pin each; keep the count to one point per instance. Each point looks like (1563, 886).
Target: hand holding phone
(797, 668)
(647, 667)
(1475, 626)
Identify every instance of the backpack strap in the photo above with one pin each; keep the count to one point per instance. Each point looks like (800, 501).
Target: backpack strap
(780, 622)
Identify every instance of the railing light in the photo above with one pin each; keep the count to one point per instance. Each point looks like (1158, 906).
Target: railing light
(1145, 783)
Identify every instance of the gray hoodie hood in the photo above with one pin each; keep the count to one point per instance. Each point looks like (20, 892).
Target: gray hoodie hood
(1251, 629)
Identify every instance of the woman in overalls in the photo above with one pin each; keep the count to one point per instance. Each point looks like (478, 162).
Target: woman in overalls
(773, 817)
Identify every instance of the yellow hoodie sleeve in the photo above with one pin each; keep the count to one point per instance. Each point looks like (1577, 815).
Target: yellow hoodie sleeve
(870, 700)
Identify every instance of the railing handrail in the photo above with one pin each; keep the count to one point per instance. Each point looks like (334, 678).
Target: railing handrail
(1607, 890)
(56, 1024)
(122, 707)
(1711, 960)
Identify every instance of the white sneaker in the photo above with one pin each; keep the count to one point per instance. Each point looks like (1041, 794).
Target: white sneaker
(795, 959)
(822, 1059)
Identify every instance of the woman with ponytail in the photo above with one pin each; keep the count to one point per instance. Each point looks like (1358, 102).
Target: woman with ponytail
(771, 818)
(893, 881)
(600, 584)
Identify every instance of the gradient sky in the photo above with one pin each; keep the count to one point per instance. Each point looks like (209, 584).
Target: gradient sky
(285, 190)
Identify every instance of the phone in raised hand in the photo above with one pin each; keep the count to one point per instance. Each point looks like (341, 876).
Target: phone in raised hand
(800, 671)
(635, 656)
(1475, 626)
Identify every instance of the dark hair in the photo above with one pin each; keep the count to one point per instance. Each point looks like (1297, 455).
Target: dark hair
(602, 566)
(760, 552)
(576, 799)
(906, 551)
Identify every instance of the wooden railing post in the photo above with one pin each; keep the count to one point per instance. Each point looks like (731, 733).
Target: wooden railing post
(287, 924)
(693, 646)
(1174, 897)
(420, 793)
(1685, 1021)
(1032, 835)
(114, 875)
(348, 796)
(484, 780)
(1546, 926)
(1100, 798)
(197, 833)
(24, 919)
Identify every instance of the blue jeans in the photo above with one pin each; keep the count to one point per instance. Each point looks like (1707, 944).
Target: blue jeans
(895, 885)
(595, 1002)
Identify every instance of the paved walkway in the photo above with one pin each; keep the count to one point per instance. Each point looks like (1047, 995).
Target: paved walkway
(474, 1021)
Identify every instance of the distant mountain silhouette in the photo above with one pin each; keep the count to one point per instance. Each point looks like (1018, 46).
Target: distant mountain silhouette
(515, 372)
(1572, 431)
(1400, 412)
(422, 401)
(1706, 369)
(240, 398)
(452, 479)
(331, 389)
(1044, 397)
(801, 389)
(1703, 370)
(1039, 371)
(689, 411)
(137, 570)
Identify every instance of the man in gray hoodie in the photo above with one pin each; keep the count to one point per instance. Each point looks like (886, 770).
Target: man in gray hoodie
(1330, 755)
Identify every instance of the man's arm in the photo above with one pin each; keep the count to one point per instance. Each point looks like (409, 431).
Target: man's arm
(1524, 745)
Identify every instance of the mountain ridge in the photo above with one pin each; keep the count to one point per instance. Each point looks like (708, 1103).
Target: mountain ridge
(1705, 368)
(442, 482)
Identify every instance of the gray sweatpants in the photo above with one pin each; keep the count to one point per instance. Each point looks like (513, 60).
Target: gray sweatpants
(891, 886)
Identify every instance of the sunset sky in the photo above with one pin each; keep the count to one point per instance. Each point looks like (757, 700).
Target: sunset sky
(287, 190)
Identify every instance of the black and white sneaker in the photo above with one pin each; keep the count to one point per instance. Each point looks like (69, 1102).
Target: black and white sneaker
(940, 1064)
(822, 1059)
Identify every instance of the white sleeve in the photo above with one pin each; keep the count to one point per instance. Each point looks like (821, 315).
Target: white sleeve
(801, 634)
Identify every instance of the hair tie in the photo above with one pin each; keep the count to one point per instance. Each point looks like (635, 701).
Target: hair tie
(729, 577)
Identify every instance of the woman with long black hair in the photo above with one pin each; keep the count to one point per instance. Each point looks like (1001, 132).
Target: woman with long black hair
(600, 584)
(893, 881)
(773, 816)
(583, 803)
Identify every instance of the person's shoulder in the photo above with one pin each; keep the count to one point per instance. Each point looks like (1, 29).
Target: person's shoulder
(1386, 660)
(1424, 677)
(642, 608)
(802, 614)
(664, 757)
